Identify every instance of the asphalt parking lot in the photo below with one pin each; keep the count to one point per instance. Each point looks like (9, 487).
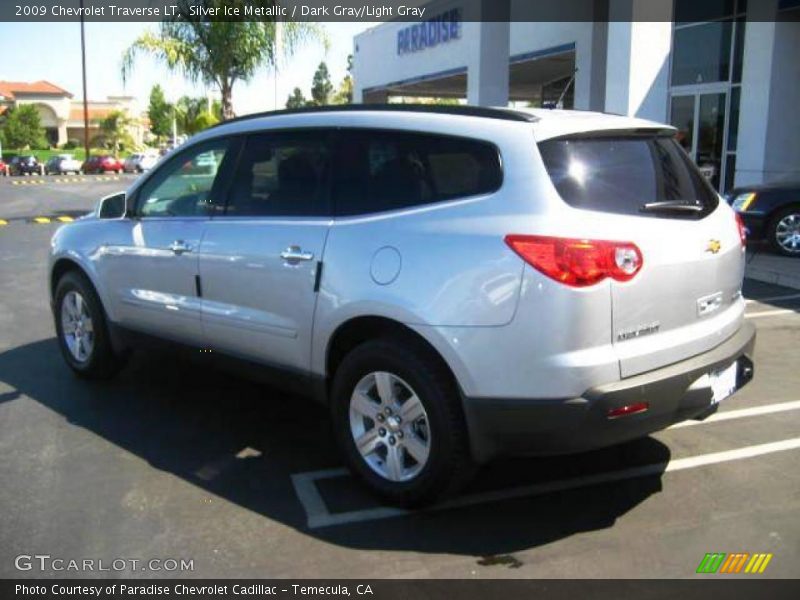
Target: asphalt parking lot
(174, 460)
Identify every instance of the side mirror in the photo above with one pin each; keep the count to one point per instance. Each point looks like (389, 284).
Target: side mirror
(112, 207)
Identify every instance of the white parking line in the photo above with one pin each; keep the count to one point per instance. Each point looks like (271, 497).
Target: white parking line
(773, 298)
(319, 516)
(769, 313)
(755, 411)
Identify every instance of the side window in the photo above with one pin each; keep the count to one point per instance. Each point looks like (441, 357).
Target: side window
(184, 186)
(377, 171)
(281, 174)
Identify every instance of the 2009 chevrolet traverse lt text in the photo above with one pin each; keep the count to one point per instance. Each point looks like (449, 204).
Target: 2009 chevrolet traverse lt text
(456, 283)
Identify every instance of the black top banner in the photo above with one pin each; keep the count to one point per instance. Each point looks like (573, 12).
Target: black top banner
(415, 11)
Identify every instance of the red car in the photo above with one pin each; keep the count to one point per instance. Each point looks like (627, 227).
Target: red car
(102, 164)
(3, 168)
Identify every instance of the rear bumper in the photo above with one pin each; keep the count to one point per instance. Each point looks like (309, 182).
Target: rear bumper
(567, 425)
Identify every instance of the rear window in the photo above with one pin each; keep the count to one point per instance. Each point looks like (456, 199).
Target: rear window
(622, 174)
(377, 171)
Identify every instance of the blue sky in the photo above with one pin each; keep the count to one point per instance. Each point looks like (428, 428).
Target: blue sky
(51, 51)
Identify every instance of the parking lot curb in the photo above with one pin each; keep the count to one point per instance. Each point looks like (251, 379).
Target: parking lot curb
(774, 277)
(80, 179)
(774, 269)
(38, 220)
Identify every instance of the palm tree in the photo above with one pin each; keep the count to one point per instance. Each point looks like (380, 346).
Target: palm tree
(114, 131)
(220, 53)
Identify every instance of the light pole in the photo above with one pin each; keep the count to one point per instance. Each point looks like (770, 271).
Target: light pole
(85, 98)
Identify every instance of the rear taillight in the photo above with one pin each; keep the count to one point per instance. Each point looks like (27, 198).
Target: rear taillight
(577, 262)
(742, 229)
(628, 409)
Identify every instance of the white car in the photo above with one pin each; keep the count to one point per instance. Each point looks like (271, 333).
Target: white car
(63, 164)
(455, 283)
(141, 162)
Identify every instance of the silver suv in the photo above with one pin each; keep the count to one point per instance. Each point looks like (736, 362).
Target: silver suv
(455, 283)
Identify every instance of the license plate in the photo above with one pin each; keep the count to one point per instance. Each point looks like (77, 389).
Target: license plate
(723, 383)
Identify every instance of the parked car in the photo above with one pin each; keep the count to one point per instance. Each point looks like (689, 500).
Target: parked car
(454, 283)
(770, 213)
(141, 161)
(62, 164)
(25, 165)
(102, 164)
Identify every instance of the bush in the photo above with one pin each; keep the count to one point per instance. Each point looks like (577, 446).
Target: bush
(72, 144)
(23, 128)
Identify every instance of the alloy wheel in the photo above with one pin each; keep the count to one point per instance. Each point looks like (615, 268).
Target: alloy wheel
(389, 426)
(77, 326)
(787, 233)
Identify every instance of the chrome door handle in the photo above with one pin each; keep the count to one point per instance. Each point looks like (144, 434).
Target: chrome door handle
(179, 247)
(294, 254)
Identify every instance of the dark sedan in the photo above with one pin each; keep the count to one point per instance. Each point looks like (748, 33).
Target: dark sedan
(771, 212)
(25, 165)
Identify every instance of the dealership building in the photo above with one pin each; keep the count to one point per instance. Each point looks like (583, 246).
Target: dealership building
(726, 73)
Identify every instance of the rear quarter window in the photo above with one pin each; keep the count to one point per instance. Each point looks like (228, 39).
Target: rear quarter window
(620, 174)
(377, 171)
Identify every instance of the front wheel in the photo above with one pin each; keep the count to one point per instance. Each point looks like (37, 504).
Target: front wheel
(784, 231)
(82, 329)
(398, 420)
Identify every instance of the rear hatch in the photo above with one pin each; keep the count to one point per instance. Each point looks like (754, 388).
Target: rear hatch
(643, 188)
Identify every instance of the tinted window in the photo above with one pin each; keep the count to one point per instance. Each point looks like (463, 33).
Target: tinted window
(184, 187)
(688, 11)
(621, 174)
(702, 53)
(378, 170)
(281, 175)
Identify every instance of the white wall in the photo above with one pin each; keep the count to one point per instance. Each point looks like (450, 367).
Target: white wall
(782, 150)
(757, 75)
(637, 67)
(376, 62)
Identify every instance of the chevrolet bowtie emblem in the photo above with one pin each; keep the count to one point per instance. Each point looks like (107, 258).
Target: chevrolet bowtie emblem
(713, 246)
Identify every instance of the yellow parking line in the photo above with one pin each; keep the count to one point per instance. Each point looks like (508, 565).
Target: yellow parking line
(65, 219)
(41, 220)
(15, 183)
(3, 222)
(41, 181)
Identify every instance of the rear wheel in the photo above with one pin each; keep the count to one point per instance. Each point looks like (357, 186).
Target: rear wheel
(82, 329)
(784, 231)
(398, 420)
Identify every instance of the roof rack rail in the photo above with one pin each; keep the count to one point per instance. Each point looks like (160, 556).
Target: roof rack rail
(506, 114)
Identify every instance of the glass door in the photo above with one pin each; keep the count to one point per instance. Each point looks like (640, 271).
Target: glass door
(700, 117)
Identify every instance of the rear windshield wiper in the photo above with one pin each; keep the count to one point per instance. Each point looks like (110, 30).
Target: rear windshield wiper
(672, 206)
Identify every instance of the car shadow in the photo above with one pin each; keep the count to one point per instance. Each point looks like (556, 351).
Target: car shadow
(242, 441)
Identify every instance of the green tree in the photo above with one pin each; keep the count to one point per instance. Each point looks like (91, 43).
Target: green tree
(321, 86)
(344, 95)
(204, 120)
(114, 132)
(296, 99)
(221, 53)
(23, 128)
(159, 113)
(193, 115)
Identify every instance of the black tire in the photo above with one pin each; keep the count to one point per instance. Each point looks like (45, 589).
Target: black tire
(773, 228)
(103, 362)
(449, 464)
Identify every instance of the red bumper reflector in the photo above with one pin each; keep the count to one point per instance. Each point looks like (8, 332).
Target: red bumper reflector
(629, 409)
